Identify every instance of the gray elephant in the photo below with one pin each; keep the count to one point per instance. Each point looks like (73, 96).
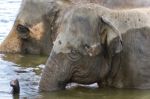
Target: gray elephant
(35, 27)
(91, 49)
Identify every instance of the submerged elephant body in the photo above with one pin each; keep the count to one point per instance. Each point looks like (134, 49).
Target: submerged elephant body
(96, 44)
(35, 27)
(133, 65)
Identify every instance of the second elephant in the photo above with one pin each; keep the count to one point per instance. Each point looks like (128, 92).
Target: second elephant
(86, 52)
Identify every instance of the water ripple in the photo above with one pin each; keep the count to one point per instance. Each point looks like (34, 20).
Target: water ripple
(8, 12)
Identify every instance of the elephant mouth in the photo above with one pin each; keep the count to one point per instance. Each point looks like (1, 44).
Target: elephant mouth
(84, 78)
(6, 49)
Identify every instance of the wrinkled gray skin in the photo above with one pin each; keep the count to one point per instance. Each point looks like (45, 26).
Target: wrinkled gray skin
(130, 68)
(35, 27)
(82, 54)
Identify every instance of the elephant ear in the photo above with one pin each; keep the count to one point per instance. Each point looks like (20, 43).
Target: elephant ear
(108, 32)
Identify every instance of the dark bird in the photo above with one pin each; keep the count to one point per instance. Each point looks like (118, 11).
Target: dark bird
(15, 86)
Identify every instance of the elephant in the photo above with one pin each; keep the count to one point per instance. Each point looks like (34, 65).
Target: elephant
(99, 45)
(35, 27)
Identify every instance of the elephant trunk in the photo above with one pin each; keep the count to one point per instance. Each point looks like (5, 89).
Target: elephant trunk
(56, 74)
(12, 43)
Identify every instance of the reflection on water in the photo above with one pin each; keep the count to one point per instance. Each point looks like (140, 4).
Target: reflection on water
(90, 93)
(31, 62)
(27, 68)
(86, 93)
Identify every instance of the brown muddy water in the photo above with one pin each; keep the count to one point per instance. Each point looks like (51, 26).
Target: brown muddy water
(27, 68)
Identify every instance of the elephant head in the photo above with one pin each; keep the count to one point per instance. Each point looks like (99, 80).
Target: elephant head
(80, 51)
(34, 28)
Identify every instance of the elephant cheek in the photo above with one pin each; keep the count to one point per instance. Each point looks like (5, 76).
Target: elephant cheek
(12, 43)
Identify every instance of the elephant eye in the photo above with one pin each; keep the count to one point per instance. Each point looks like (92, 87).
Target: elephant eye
(86, 46)
(22, 29)
(74, 55)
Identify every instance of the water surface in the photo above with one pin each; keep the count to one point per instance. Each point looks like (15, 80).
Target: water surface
(27, 68)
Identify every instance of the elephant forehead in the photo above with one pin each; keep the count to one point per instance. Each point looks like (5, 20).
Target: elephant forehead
(32, 11)
(76, 28)
(65, 42)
